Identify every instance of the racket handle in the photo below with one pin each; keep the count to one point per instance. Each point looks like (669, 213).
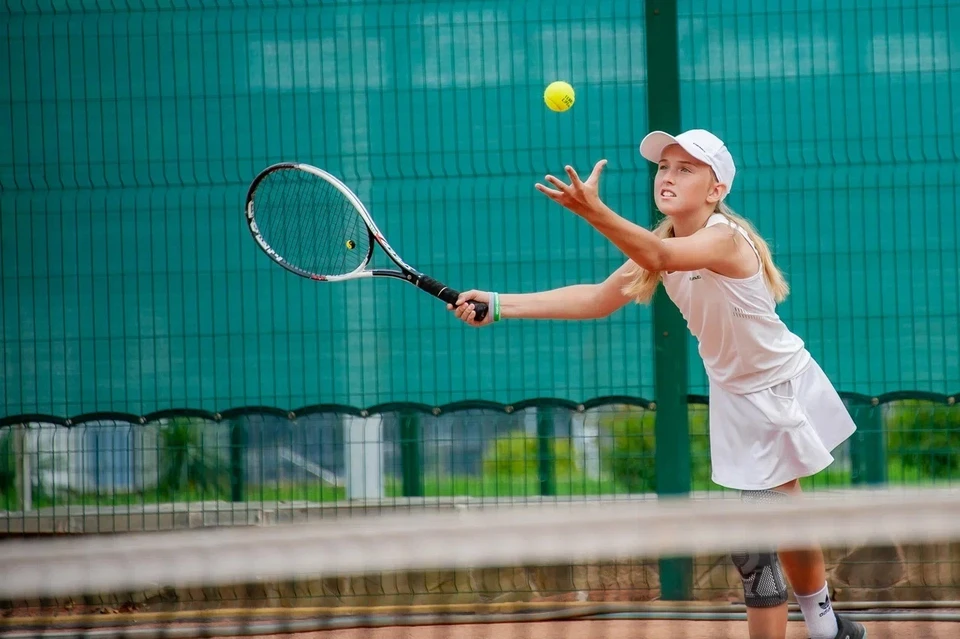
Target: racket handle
(480, 308)
(449, 295)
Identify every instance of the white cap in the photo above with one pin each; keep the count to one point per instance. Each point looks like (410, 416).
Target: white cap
(701, 144)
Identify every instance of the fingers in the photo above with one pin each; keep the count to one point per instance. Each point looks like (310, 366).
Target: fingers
(597, 170)
(467, 313)
(554, 194)
(570, 195)
(557, 183)
(575, 182)
(473, 294)
(550, 193)
(465, 310)
(574, 178)
(465, 296)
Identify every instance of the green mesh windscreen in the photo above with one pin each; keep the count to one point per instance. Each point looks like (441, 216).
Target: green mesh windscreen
(130, 283)
(843, 119)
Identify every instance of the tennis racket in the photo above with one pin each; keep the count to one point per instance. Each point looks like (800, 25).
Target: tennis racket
(313, 225)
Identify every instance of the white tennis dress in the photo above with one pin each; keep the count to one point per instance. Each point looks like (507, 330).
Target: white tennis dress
(774, 415)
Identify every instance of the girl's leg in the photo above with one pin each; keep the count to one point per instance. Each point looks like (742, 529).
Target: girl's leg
(768, 623)
(807, 573)
(805, 570)
(764, 582)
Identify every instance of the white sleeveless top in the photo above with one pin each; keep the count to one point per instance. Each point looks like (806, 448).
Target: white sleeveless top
(744, 345)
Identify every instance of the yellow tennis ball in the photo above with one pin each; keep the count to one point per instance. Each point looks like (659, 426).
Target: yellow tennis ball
(351, 244)
(559, 96)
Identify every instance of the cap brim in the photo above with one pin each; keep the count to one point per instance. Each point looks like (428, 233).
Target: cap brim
(652, 146)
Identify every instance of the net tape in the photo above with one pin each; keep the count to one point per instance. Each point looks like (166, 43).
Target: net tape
(463, 539)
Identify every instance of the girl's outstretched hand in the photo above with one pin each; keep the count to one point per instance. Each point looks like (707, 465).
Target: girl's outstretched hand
(583, 198)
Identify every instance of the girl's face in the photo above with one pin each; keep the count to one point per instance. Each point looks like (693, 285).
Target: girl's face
(684, 184)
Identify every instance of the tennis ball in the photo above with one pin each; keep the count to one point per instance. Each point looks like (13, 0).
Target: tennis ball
(559, 96)
(351, 244)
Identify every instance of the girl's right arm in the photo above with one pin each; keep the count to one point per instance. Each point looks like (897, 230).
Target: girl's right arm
(577, 302)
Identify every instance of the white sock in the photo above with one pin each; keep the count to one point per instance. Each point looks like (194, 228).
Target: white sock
(817, 611)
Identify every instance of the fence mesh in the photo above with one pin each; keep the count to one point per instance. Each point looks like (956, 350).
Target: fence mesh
(150, 354)
(128, 283)
(319, 460)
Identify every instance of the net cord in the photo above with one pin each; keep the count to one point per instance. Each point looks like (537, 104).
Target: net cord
(463, 539)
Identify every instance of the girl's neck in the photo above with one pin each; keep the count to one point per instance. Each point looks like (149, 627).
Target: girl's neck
(689, 224)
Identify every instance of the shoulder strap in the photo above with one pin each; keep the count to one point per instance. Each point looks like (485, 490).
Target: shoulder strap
(719, 218)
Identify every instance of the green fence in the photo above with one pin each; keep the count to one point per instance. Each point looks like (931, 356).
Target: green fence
(336, 457)
(112, 473)
(130, 284)
(131, 288)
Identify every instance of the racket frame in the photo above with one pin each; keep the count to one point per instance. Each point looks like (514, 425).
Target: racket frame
(407, 272)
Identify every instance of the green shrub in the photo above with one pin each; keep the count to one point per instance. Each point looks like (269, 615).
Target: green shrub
(700, 468)
(630, 452)
(630, 449)
(186, 465)
(516, 455)
(925, 437)
(8, 470)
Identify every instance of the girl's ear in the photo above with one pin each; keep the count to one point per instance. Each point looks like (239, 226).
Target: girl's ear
(716, 193)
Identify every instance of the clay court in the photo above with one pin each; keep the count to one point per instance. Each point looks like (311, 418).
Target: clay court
(893, 624)
(627, 630)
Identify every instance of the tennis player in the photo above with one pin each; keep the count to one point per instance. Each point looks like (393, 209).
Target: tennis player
(774, 415)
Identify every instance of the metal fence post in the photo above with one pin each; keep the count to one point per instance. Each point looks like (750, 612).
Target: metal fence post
(23, 472)
(238, 460)
(546, 459)
(670, 334)
(868, 446)
(411, 460)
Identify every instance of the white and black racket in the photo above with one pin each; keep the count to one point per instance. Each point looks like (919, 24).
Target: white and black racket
(312, 224)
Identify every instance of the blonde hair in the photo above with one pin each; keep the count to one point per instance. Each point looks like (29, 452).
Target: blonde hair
(643, 283)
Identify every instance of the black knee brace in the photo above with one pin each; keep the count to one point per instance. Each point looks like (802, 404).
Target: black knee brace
(764, 584)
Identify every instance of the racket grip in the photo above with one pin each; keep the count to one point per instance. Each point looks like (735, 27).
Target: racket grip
(480, 308)
(450, 296)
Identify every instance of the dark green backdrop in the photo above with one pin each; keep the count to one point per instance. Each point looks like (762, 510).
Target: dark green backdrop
(132, 129)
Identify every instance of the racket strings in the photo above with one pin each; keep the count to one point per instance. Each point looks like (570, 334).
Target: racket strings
(334, 228)
(310, 223)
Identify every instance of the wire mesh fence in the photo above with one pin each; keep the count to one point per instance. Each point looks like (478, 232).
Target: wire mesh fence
(129, 285)
(412, 455)
(133, 300)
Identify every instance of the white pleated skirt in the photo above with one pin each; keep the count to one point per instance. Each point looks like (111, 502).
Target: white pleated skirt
(765, 439)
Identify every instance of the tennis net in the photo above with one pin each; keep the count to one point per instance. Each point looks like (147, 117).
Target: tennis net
(232, 581)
